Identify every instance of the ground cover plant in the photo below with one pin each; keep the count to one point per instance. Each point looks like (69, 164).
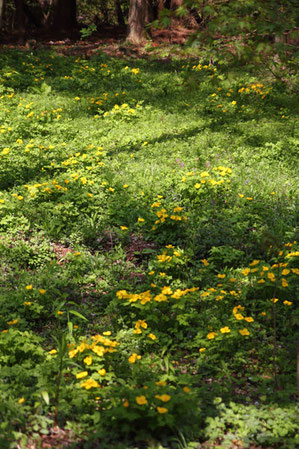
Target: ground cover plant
(148, 213)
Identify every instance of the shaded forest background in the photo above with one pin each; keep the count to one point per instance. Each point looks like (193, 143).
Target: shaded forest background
(245, 29)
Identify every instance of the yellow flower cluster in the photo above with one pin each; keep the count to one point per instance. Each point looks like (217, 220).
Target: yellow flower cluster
(106, 346)
(138, 325)
(162, 214)
(134, 357)
(147, 296)
(256, 88)
(206, 178)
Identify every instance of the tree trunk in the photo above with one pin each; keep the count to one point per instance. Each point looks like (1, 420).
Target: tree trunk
(65, 15)
(1, 11)
(119, 13)
(19, 23)
(136, 21)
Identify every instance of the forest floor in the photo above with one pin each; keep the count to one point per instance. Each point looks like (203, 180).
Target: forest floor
(148, 249)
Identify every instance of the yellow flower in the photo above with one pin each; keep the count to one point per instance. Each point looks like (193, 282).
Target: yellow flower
(161, 383)
(186, 390)
(202, 349)
(151, 273)
(42, 291)
(244, 331)
(241, 195)
(89, 383)
(59, 312)
(163, 397)
(134, 357)
(238, 316)
(88, 360)
(123, 228)
(285, 272)
(53, 351)
(27, 303)
(284, 282)
(73, 353)
(211, 335)
(204, 174)
(162, 410)
(225, 330)
(102, 372)
(21, 400)
(254, 262)
(107, 333)
(126, 403)
(140, 220)
(152, 336)
(221, 276)
(122, 294)
(11, 323)
(141, 400)
(205, 262)
(271, 276)
(81, 375)
(287, 303)
(160, 298)
(29, 287)
(249, 319)
(197, 186)
(245, 271)
(141, 323)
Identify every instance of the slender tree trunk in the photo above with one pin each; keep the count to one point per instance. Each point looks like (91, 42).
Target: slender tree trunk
(119, 13)
(1, 11)
(136, 21)
(65, 15)
(19, 24)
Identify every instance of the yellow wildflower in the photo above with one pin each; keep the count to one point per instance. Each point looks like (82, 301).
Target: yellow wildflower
(89, 383)
(163, 397)
(225, 330)
(162, 410)
(141, 400)
(244, 331)
(81, 375)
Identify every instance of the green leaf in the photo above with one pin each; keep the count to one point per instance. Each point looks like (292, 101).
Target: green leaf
(45, 396)
(74, 312)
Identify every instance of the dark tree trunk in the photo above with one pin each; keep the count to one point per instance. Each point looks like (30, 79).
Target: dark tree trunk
(19, 22)
(1, 11)
(136, 21)
(119, 13)
(36, 14)
(65, 15)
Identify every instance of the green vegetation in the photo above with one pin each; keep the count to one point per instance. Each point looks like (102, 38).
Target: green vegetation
(148, 253)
